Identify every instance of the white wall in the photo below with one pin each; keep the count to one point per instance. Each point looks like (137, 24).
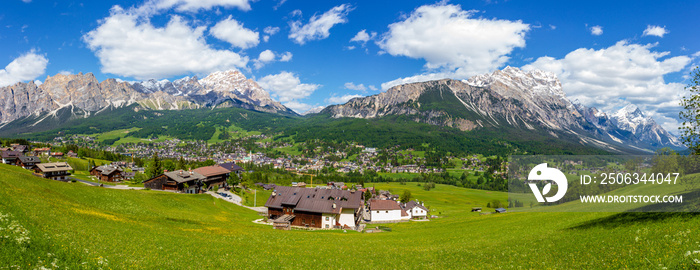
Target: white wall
(331, 220)
(385, 215)
(416, 212)
(347, 217)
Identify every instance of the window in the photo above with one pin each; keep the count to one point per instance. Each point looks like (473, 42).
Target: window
(386, 211)
(303, 221)
(377, 212)
(327, 218)
(313, 222)
(326, 226)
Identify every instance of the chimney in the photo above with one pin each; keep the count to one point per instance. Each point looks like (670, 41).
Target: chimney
(333, 205)
(274, 193)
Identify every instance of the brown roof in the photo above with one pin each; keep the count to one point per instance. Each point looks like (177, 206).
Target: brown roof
(412, 204)
(209, 171)
(184, 176)
(314, 200)
(54, 167)
(10, 154)
(384, 205)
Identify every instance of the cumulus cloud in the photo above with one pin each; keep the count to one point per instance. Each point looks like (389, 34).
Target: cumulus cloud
(318, 27)
(128, 45)
(596, 30)
(340, 99)
(452, 42)
(622, 74)
(373, 88)
(298, 107)
(352, 86)
(362, 37)
(270, 31)
(655, 30)
(26, 67)
(155, 6)
(268, 56)
(287, 87)
(233, 32)
(286, 57)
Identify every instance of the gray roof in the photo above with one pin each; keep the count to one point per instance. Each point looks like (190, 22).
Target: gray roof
(412, 204)
(314, 199)
(54, 167)
(108, 169)
(29, 159)
(10, 154)
(184, 176)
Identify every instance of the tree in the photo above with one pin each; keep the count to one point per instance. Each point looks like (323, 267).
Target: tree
(233, 180)
(155, 168)
(690, 115)
(181, 165)
(368, 196)
(406, 196)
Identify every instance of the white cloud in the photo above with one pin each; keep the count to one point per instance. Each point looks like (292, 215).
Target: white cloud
(287, 87)
(155, 6)
(38, 82)
(65, 72)
(269, 31)
(452, 42)
(298, 107)
(352, 86)
(553, 27)
(23, 68)
(233, 32)
(373, 88)
(27, 1)
(597, 30)
(127, 45)
(341, 99)
(318, 26)
(286, 57)
(279, 4)
(621, 74)
(363, 37)
(655, 30)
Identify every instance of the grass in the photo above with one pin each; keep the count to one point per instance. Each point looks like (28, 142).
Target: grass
(77, 226)
(260, 199)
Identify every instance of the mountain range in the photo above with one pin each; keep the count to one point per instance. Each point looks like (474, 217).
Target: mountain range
(509, 98)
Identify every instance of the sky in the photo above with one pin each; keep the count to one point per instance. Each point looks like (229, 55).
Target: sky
(607, 54)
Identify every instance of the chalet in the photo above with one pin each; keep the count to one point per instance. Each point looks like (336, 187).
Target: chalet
(27, 162)
(129, 175)
(314, 207)
(71, 154)
(55, 171)
(21, 148)
(232, 167)
(500, 210)
(215, 175)
(386, 211)
(415, 210)
(56, 154)
(42, 151)
(9, 157)
(181, 181)
(108, 173)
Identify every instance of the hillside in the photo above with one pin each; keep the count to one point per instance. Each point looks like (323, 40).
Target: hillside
(70, 225)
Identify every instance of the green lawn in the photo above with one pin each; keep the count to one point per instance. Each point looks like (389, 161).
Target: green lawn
(76, 226)
(260, 199)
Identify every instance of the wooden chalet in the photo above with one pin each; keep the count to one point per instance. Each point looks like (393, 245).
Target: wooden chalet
(232, 167)
(181, 181)
(107, 173)
(27, 162)
(55, 171)
(42, 151)
(314, 207)
(21, 148)
(9, 157)
(215, 175)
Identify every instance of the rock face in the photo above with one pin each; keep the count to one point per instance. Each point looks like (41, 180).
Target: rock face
(508, 97)
(84, 92)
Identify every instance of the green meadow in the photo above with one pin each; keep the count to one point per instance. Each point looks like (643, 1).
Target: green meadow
(52, 224)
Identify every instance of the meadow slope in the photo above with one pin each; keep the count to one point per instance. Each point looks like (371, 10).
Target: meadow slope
(54, 224)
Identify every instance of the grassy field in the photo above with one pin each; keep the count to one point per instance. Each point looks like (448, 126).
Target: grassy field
(70, 225)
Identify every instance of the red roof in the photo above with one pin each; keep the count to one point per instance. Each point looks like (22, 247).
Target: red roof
(211, 170)
(384, 205)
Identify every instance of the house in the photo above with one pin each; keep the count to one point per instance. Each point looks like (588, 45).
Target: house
(181, 181)
(108, 173)
(476, 209)
(42, 151)
(386, 211)
(71, 154)
(55, 171)
(9, 157)
(56, 154)
(315, 207)
(415, 210)
(232, 167)
(215, 175)
(21, 148)
(500, 210)
(27, 162)
(129, 175)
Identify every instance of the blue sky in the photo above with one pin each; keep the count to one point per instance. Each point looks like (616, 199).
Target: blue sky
(311, 53)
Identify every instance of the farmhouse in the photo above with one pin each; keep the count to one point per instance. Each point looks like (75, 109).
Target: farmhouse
(55, 171)
(9, 157)
(27, 162)
(107, 173)
(182, 181)
(386, 211)
(415, 210)
(215, 175)
(314, 207)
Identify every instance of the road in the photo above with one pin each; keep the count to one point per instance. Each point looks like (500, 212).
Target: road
(235, 199)
(106, 186)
